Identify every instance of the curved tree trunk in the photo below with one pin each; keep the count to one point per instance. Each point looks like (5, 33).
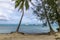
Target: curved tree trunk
(20, 21)
(51, 30)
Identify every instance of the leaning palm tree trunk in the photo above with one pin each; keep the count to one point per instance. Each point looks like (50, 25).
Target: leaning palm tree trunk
(20, 21)
(51, 30)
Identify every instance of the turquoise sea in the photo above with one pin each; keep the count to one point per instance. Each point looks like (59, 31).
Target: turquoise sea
(8, 28)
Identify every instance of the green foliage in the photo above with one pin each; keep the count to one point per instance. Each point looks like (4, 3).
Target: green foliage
(50, 11)
(17, 3)
(55, 13)
(54, 6)
(22, 3)
(40, 13)
(26, 4)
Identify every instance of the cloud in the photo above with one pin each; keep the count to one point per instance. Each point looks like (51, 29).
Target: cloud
(7, 5)
(9, 13)
(6, 8)
(3, 18)
(6, 0)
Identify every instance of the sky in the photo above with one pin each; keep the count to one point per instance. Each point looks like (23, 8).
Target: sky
(10, 15)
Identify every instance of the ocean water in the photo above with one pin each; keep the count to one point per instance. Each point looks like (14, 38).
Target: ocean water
(8, 28)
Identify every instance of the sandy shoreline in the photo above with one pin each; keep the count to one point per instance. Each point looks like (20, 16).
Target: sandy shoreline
(17, 36)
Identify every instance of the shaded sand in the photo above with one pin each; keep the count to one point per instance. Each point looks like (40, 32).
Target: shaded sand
(17, 36)
(57, 35)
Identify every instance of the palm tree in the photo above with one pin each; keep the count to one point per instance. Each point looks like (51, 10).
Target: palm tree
(47, 17)
(54, 6)
(21, 4)
(44, 15)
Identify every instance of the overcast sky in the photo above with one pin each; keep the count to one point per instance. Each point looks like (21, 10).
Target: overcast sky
(10, 15)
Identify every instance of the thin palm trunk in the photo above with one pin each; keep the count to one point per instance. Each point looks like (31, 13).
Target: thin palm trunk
(20, 21)
(51, 30)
